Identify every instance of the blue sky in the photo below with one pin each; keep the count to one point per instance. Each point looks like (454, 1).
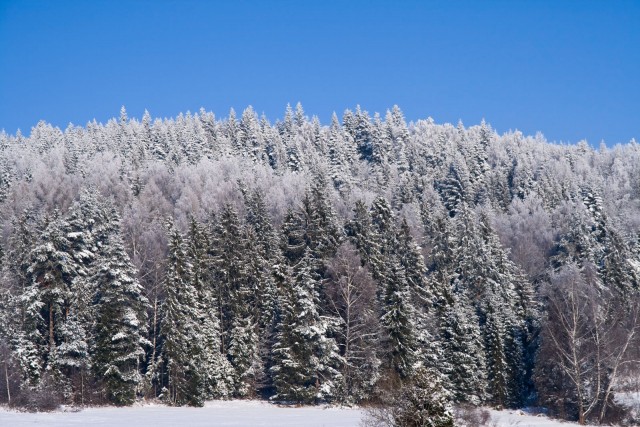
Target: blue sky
(570, 69)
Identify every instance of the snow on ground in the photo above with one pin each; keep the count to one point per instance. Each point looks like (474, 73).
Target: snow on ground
(215, 413)
(518, 418)
(238, 413)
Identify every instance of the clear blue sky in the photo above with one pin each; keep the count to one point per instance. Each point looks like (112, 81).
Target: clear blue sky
(570, 69)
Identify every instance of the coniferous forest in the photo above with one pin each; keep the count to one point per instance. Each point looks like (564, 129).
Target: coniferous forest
(354, 262)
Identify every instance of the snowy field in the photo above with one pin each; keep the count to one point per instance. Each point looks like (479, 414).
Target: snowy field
(217, 413)
(517, 418)
(230, 414)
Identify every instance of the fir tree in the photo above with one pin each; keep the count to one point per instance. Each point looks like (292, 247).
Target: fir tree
(398, 319)
(216, 369)
(425, 402)
(305, 359)
(182, 349)
(47, 300)
(463, 362)
(118, 343)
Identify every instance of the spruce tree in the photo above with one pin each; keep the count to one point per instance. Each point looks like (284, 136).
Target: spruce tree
(463, 362)
(48, 303)
(398, 319)
(237, 279)
(118, 333)
(359, 230)
(424, 402)
(182, 349)
(306, 361)
(216, 369)
(420, 295)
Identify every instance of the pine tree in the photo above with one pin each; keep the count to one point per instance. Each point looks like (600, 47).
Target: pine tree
(216, 369)
(359, 230)
(118, 333)
(397, 319)
(421, 297)
(306, 361)
(182, 349)
(463, 361)
(47, 301)
(425, 402)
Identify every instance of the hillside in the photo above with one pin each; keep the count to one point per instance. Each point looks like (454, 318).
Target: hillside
(194, 258)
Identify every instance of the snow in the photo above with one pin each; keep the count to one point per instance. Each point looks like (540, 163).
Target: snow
(235, 413)
(519, 418)
(630, 399)
(215, 413)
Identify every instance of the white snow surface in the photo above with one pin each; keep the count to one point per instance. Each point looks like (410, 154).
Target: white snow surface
(235, 413)
(519, 418)
(215, 413)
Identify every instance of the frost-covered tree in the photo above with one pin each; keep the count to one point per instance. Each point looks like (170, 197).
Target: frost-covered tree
(118, 344)
(306, 360)
(463, 362)
(183, 347)
(47, 301)
(215, 367)
(352, 295)
(256, 255)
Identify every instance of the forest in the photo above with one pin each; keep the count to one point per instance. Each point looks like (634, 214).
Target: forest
(362, 262)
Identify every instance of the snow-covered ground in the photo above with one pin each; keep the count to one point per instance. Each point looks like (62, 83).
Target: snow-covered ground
(216, 413)
(518, 418)
(231, 414)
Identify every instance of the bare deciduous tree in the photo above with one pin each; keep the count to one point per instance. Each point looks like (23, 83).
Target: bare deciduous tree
(587, 338)
(351, 293)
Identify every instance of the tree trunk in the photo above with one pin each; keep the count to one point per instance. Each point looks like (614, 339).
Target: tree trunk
(6, 376)
(52, 342)
(82, 387)
(581, 419)
(153, 351)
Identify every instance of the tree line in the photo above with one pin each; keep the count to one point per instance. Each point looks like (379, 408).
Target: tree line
(192, 258)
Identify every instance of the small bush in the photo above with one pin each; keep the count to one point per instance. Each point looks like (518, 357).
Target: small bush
(46, 397)
(470, 416)
(41, 400)
(423, 402)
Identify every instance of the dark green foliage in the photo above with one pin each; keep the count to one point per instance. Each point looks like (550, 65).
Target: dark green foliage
(424, 402)
(305, 359)
(182, 350)
(118, 343)
(463, 362)
(398, 319)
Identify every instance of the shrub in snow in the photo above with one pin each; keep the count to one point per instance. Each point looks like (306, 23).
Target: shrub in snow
(423, 402)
